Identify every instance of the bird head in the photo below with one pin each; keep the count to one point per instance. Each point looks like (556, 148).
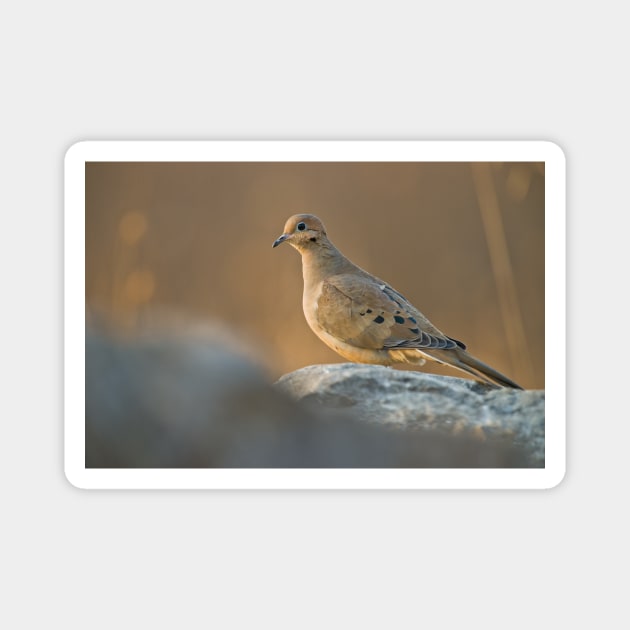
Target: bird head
(302, 231)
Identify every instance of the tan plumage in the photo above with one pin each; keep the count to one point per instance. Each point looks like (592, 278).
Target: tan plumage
(363, 318)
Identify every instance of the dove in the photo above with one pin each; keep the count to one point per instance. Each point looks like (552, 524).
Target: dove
(364, 319)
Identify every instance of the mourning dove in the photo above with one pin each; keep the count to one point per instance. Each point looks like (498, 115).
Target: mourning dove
(364, 319)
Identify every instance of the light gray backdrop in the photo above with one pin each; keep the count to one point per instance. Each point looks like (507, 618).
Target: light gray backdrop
(347, 70)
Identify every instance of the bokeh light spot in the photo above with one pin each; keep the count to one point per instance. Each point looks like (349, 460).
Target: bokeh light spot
(139, 286)
(518, 181)
(132, 227)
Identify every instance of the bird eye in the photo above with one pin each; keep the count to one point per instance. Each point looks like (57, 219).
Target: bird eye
(301, 226)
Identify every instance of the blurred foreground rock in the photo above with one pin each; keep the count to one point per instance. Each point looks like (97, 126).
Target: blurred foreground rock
(187, 401)
(416, 401)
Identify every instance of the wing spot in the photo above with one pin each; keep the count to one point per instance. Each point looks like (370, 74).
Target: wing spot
(369, 310)
(415, 331)
(379, 319)
(398, 319)
(412, 320)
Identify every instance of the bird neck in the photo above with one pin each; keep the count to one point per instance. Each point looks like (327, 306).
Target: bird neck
(321, 261)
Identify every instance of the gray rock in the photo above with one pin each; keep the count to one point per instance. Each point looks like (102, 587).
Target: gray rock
(175, 400)
(415, 401)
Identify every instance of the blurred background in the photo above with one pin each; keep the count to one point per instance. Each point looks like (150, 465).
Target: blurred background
(463, 242)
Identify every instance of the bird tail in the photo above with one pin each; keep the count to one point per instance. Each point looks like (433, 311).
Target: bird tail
(461, 360)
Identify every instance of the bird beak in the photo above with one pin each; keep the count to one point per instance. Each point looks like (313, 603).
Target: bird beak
(280, 239)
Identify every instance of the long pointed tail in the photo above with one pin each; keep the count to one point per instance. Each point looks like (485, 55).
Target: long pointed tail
(461, 360)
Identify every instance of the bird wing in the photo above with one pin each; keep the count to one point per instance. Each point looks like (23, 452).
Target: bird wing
(367, 313)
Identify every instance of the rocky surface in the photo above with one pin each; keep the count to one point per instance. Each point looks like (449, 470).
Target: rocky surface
(189, 401)
(415, 401)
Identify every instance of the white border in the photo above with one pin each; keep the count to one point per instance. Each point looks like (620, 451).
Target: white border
(316, 151)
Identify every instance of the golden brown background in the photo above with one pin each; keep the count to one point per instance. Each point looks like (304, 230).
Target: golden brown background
(463, 242)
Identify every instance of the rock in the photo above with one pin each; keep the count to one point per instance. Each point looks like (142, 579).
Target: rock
(416, 401)
(173, 400)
